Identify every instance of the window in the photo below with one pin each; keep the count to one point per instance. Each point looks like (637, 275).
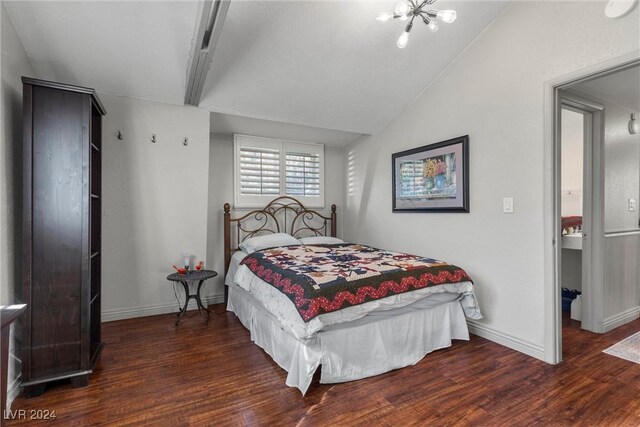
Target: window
(266, 168)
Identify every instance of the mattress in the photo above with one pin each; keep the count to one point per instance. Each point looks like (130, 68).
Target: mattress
(278, 305)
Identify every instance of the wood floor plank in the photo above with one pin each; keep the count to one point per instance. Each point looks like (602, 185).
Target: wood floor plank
(152, 373)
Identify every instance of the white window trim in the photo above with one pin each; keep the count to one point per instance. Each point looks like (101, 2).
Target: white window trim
(257, 201)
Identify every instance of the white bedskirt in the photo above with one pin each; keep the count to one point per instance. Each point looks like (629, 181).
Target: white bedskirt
(363, 348)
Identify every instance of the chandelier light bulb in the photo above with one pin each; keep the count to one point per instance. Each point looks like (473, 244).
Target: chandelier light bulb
(402, 9)
(404, 38)
(409, 10)
(384, 17)
(447, 16)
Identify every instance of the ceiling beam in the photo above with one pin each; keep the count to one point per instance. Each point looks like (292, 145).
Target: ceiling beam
(211, 16)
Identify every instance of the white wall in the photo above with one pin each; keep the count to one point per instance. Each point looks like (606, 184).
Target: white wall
(622, 182)
(15, 64)
(621, 169)
(493, 92)
(154, 201)
(572, 162)
(221, 192)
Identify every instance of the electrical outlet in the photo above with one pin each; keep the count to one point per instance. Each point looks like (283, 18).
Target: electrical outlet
(507, 205)
(632, 205)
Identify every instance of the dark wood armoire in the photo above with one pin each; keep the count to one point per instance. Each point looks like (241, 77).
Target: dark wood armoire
(62, 198)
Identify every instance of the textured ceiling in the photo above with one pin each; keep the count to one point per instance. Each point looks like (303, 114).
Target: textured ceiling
(318, 64)
(138, 49)
(331, 64)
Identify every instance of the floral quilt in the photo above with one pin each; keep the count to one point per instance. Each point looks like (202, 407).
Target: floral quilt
(324, 278)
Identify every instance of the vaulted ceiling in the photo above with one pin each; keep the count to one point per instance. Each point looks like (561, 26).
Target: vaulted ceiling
(138, 49)
(331, 64)
(327, 65)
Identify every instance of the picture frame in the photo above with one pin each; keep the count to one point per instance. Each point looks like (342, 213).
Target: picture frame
(432, 178)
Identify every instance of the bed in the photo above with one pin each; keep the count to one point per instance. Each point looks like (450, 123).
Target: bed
(307, 306)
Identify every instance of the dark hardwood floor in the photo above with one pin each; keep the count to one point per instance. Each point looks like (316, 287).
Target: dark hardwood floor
(154, 373)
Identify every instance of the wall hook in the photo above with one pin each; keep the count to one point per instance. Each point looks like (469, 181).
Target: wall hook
(185, 142)
(119, 135)
(153, 138)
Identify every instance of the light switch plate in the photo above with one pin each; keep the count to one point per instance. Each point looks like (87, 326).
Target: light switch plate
(632, 205)
(507, 205)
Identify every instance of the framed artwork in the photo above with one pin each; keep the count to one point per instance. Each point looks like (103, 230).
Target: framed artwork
(433, 178)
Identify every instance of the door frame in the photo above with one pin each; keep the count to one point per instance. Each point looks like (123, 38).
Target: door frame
(551, 178)
(593, 206)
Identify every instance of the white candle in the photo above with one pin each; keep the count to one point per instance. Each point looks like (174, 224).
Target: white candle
(186, 260)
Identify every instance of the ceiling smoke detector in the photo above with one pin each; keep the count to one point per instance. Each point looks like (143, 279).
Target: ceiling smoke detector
(619, 8)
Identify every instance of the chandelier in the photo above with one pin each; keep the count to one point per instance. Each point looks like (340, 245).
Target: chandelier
(410, 10)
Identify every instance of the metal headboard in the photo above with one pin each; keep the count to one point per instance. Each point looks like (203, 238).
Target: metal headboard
(281, 215)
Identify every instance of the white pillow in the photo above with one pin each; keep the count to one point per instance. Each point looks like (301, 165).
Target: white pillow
(320, 240)
(268, 241)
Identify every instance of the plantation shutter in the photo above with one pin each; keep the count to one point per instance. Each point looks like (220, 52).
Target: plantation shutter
(302, 174)
(259, 171)
(265, 168)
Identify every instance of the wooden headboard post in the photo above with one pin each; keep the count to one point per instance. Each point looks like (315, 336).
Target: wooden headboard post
(333, 220)
(227, 237)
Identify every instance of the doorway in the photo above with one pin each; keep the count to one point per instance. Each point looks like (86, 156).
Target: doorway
(580, 123)
(595, 251)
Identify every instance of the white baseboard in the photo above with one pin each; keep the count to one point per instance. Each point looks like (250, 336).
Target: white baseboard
(621, 318)
(507, 340)
(152, 310)
(13, 390)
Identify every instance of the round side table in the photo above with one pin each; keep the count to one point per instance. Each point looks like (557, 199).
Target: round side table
(192, 276)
